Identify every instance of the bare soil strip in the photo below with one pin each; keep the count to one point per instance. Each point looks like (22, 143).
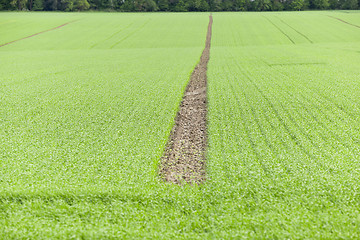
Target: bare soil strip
(184, 157)
(33, 35)
(344, 21)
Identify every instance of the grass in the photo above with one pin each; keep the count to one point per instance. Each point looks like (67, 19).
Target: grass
(85, 112)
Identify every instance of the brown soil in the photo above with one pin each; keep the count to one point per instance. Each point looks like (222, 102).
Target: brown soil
(33, 35)
(184, 156)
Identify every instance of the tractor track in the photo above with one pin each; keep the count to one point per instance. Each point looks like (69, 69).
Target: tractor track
(35, 34)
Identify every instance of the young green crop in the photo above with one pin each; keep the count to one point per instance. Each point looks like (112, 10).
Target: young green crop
(86, 110)
(85, 114)
(89, 106)
(284, 123)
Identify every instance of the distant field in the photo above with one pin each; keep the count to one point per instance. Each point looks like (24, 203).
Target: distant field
(86, 110)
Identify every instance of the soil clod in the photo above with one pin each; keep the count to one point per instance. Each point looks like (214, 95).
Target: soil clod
(184, 156)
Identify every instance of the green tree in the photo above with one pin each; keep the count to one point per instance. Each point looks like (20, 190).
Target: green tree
(204, 6)
(334, 4)
(150, 6)
(5, 5)
(197, 5)
(66, 5)
(319, 4)
(19, 4)
(181, 6)
(38, 5)
(297, 5)
(163, 5)
(349, 4)
(193, 5)
(227, 5)
(215, 5)
(277, 6)
(100, 4)
(110, 4)
(144, 5)
(241, 5)
(128, 6)
(51, 5)
(81, 5)
(262, 5)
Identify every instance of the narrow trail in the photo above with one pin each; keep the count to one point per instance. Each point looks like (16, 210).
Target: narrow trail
(184, 157)
(33, 35)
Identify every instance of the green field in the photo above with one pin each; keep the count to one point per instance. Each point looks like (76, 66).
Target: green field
(86, 110)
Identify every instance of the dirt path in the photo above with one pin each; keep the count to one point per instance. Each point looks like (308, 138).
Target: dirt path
(33, 35)
(184, 156)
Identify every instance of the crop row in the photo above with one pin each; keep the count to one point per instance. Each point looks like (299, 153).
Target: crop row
(284, 122)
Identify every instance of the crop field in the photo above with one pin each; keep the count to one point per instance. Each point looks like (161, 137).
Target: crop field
(88, 100)
(285, 120)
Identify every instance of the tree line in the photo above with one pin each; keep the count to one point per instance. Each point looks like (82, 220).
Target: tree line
(176, 5)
